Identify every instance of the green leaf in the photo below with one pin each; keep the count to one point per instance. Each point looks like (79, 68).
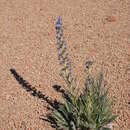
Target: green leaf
(58, 116)
(112, 118)
(68, 106)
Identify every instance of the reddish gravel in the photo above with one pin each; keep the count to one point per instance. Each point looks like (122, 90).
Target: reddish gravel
(94, 29)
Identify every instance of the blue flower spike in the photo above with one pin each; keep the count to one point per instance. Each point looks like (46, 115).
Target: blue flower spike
(59, 22)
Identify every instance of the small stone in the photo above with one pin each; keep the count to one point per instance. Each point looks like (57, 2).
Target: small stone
(111, 19)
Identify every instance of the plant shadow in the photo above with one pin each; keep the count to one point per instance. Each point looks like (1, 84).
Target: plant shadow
(54, 104)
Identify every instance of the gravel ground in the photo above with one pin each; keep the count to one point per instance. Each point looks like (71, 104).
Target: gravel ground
(94, 29)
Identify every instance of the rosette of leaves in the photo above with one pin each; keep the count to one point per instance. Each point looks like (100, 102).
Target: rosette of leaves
(92, 109)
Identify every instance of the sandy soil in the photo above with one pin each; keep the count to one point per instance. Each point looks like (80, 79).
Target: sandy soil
(95, 29)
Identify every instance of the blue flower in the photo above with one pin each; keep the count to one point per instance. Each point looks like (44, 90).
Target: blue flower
(59, 22)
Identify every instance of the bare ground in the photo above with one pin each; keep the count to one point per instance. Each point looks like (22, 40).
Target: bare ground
(94, 29)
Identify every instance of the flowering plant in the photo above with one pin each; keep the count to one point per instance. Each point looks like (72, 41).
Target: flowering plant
(92, 109)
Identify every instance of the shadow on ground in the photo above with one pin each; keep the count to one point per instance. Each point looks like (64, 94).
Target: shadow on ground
(54, 104)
